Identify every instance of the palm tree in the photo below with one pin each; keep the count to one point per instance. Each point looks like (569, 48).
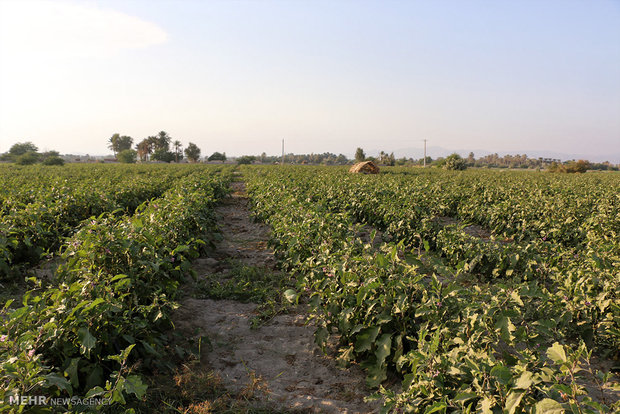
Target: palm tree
(177, 149)
(145, 148)
(114, 143)
(162, 141)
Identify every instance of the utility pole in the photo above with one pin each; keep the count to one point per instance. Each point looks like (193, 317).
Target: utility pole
(282, 163)
(425, 153)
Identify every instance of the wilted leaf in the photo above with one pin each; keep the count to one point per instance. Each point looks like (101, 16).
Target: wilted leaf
(548, 406)
(290, 295)
(556, 353)
(524, 381)
(512, 401)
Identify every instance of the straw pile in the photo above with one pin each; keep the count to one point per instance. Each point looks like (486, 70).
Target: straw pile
(366, 167)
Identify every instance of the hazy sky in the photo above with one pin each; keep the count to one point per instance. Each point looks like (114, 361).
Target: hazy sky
(238, 76)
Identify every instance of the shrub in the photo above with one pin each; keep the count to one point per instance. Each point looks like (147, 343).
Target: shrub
(28, 158)
(454, 162)
(580, 166)
(246, 159)
(54, 161)
(127, 156)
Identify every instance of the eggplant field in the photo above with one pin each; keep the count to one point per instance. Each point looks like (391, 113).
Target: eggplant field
(480, 290)
(448, 291)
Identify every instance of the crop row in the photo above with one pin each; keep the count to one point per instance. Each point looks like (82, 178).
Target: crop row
(38, 214)
(520, 205)
(584, 274)
(22, 185)
(109, 309)
(458, 343)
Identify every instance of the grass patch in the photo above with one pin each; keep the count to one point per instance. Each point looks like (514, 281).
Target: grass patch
(194, 389)
(249, 284)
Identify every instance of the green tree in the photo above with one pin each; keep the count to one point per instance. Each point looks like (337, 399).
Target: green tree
(387, 159)
(144, 149)
(162, 155)
(54, 160)
(51, 158)
(218, 156)
(246, 159)
(580, 166)
(118, 143)
(28, 158)
(124, 143)
(178, 154)
(20, 148)
(162, 141)
(471, 160)
(127, 156)
(454, 162)
(192, 152)
(429, 160)
(359, 155)
(113, 143)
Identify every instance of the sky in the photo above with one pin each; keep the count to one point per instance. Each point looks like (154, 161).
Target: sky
(326, 76)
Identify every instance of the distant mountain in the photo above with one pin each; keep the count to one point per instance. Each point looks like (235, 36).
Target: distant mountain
(436, 152)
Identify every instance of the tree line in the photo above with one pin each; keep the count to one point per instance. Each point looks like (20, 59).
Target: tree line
(158, 147)
(456, 162)
(26, 153)
(162, 148)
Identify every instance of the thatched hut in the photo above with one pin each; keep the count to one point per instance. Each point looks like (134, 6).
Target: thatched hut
(366, 167)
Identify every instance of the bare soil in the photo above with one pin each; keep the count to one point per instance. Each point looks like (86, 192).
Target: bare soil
(294, 374)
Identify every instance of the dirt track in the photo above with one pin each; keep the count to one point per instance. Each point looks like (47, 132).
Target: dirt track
(293, 372)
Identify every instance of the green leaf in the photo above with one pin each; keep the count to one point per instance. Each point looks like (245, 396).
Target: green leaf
(94, 392)
(117, 396)
(407, 381)
(127, 351)
(384, 345)
(512, 401)
(134, 385)
(94, 377)
(506, 328)
(93, 304)
(55, 380)
(438, 406)
(556, 353)
(180, 249)
(465, 396)
(118, 277)
(502, 374)
(72, 372)
(365, 338)
(376, 375)
(87, 341)
(548, 406)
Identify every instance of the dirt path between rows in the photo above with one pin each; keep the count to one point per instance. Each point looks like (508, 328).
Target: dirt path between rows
(293, 372)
